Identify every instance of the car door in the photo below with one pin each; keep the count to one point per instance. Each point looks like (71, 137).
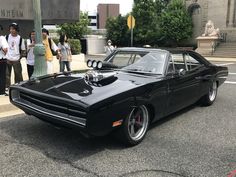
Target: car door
(183, 85)
(205, 73)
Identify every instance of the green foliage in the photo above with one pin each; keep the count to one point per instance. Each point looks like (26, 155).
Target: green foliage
(55, 40)
(78, 29)
(156, 21)
(146, 26)
(160, 6)
(117, 30)
(175, 22)
(75, 46)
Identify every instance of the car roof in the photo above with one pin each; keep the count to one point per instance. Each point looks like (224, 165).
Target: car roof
(140, 49)
(167, 50)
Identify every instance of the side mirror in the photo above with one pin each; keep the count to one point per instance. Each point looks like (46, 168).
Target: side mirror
(182, 72)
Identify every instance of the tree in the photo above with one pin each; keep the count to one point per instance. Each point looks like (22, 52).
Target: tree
(175, 22)
(78, 29)
(146, 29)
(160, 6)
(117, 30)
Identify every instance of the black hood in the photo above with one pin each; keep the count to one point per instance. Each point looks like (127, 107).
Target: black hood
(76, 87)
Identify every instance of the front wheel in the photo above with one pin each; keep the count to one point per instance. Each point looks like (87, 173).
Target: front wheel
(210, 97)
(135, 126)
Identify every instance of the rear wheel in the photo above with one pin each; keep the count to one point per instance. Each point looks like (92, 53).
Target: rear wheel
(135, 126)
(210, 97)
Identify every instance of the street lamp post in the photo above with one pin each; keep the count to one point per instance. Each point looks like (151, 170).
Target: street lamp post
(40, 67)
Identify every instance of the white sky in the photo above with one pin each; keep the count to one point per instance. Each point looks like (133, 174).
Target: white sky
(91, 5)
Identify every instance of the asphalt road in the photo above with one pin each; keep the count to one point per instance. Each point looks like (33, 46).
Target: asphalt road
(198, 141)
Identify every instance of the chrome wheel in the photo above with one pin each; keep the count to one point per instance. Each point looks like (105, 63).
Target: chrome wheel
(210, 97)
(213, 92)
(138, 121)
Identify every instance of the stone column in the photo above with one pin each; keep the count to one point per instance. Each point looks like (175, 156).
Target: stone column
(231, 13)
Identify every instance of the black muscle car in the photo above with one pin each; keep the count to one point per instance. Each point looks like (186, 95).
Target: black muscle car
(124, 93)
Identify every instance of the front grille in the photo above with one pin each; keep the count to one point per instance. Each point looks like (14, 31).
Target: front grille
(53, 107)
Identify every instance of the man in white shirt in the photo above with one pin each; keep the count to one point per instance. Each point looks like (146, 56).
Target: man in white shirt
(16, 45)
(3, 64)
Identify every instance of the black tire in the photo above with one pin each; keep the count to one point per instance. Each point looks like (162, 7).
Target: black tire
(135, 126)
(210, 97)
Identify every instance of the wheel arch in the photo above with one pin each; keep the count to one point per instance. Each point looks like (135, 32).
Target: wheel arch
(151, 111)
(217, 83)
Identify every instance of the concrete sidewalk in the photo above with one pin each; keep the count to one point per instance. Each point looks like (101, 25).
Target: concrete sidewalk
(78, 63)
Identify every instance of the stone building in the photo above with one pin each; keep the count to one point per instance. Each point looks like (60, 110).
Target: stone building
(105, 11)
(221, 12)
(53, 12)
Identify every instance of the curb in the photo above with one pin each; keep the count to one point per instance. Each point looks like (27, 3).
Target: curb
(221, 59)
(8, 109)
(11, 113)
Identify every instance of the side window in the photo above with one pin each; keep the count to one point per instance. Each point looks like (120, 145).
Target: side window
(171, 68)
(179, 61)
(191, 62)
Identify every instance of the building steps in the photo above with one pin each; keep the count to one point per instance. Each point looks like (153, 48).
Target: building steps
(227, 49)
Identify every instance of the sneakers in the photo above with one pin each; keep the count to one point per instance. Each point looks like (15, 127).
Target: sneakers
(7, 91)
(3, 94)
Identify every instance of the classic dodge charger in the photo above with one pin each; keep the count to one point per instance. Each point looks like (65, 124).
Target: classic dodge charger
(124, 93)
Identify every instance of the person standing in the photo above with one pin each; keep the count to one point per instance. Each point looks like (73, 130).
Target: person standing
(65, 57)
(16, 47)
(49, 46)
(109, 48)
(3, 64)
(30, 53)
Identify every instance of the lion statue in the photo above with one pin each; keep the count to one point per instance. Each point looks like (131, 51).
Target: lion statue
(210, 30)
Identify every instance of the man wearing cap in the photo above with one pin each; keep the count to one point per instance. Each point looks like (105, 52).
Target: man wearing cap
(16, 45)
(3, 64)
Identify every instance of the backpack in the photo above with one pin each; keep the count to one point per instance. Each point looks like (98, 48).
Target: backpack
(50, 44)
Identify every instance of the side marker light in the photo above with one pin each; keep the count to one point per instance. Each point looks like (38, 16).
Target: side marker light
(117, 123)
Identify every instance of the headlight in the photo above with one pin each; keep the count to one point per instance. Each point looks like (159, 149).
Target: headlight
(89, 63)
(95, 63)
(99, 64)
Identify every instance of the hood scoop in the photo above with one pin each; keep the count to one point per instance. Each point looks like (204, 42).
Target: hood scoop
(100, 78)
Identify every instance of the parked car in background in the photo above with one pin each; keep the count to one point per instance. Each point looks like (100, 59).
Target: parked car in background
(124, 94)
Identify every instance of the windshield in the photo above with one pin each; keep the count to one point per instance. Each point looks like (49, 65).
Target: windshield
(150, 63)
(142, 62)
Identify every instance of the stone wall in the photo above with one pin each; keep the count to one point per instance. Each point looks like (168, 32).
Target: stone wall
(217, 12)
(221, 12)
